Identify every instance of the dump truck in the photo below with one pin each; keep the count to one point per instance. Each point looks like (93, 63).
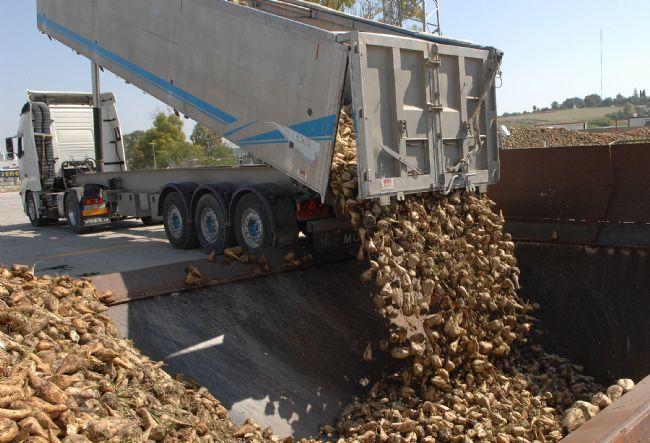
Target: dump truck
(272, 77)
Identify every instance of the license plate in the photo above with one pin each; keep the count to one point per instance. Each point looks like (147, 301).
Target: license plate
(331, 239)
(96, 221)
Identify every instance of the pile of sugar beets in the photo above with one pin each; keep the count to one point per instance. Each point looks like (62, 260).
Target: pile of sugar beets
(442, 274)
(539, 137)
(67, 375)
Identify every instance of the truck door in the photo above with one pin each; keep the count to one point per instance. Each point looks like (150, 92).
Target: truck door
(419, 124)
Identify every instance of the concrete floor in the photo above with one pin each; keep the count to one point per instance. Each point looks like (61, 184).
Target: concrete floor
(55, 249)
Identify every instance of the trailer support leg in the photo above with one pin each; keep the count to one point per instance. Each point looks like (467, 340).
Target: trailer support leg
(97, 118)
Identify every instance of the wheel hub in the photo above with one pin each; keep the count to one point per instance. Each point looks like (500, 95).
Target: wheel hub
(175, 222)
(252, 228)
(31, 207)
(209, 225)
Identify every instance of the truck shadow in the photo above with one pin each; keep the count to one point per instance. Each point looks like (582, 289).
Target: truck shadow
(285, 350)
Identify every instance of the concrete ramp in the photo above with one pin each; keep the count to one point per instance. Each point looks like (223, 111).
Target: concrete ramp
(284, 349)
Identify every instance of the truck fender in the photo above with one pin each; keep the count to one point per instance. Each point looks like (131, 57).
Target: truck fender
(184, 189)
(222, 192)
(278, 204)
(60, 202)
(75, 192)
(37, 201)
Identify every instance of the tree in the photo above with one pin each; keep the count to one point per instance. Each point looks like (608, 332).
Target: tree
(593, 100)
(204, 136)
(393, 12)
(619, 100)
(129, 140)
(571, 103)
(339, 5)
(165, 142)
(215, 153)
(370, 9)
(607, 102)
(629, 110)
(555, 105)
(534, 108)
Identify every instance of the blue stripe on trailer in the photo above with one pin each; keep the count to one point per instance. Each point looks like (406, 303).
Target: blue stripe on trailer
(182, 95)
(240, 128)
(280, 141)
(321, 127)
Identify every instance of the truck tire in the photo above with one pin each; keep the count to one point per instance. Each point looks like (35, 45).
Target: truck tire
(180, 232)
(34, 218)
(73, 215)
(252, 224)
(211, 228)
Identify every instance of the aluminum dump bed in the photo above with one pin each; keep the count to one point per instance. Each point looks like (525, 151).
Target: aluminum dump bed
(272, 77)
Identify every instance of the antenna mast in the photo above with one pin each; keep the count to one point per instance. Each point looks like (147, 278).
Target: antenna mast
(394, 14)
(432, 26)
(601, 63)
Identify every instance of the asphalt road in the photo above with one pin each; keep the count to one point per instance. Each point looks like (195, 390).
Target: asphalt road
(55, 249)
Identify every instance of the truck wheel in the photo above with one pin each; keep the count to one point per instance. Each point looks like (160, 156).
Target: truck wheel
(252, 224)
(73, 215)
(210, 219)
(35, 219)
(180, 232)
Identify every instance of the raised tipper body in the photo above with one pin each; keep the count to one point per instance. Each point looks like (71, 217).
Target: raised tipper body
(272, 77)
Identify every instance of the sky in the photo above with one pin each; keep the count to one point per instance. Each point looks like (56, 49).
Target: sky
(551, 52)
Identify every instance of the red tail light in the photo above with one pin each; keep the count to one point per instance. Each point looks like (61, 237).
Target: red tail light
(86, 201)
(92, 206)
(311, 209)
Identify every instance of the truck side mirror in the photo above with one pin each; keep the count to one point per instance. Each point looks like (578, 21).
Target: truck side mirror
(9, 145)
(21, 150)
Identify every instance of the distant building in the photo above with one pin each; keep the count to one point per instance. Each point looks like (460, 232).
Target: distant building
(638, 122)
(569, 126)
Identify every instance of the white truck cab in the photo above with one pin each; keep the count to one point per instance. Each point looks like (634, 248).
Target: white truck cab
(56, 141)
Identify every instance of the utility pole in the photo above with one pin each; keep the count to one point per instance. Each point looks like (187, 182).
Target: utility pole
(153, 149)
(437, 27)
(601, 63)
(431, 26)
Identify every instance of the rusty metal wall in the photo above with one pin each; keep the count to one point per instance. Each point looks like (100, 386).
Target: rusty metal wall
(586, 194)
(594, 305)
(581, 218)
